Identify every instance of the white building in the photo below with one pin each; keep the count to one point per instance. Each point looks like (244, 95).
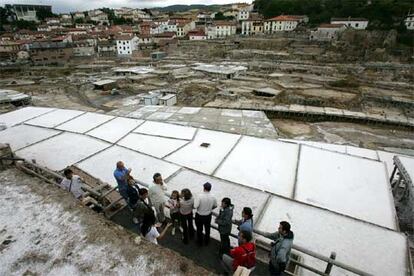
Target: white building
(243, 14)
(283, 23)
(197, 35)
(356, 23)
(184, 27)
(98, 16)
(145, 39)
(221, 29)
(254, 25)
(84, 26)
(78, 15)
(125, 45)
(409, 21)
(327, 32)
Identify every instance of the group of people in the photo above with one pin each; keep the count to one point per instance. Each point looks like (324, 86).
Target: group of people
(148, 211)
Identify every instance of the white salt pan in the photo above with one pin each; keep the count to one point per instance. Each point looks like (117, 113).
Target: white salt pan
(54, 118)
(62, 150)
(143, 166)
(263, 164)
(346, 184)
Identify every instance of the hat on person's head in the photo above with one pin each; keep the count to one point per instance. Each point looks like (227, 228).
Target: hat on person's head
(207, 186)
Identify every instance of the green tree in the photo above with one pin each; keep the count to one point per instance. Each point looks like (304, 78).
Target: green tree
(42, 14)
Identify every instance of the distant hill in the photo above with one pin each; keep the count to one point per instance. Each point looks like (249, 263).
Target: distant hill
(182, 8)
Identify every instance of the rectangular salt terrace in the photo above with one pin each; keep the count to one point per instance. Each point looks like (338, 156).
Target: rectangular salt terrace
(387, 158)
(367, 153)
(143, 166)
(371, 248)
(408, 164)
(239, 195)
(345, 184)
(54, 118)
(263, 164)
(151, 145)
(62, 150)
(21, 115)
(85, 122)
(115, 129)
(166, 130)
(23, 135)
(206, 151)
(332, 147)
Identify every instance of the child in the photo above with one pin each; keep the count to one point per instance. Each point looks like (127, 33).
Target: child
(174, 204)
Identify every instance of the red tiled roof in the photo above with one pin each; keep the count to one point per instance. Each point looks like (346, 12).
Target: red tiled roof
(224, 23)
(166, 34)
(285, 18)
(348, 19)
(331, 26)
(124, 37)
(196, 33)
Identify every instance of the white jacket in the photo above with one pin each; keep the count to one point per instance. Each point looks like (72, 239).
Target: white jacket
(156, 193)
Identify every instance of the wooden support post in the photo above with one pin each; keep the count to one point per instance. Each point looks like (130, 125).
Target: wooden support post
(393, 173)
(330, 264)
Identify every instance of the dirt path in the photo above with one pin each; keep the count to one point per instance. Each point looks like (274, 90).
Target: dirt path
(44, 231)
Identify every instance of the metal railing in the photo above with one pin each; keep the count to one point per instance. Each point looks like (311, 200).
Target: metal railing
(331, 260)
(53, 177)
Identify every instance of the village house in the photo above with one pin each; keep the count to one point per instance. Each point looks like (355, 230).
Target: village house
(145, 39)
(164, 37)
(145, 27)
(231, 13)
(283, 23)
(50, 53)
(107, 48)
(43, 28)
(221, 29)
(84, 26)
(98, 17)
(9, 50)
(355, 23)
(126, 45)
(184, 26)
(205, 17)
(83, 46)
(78, 15)
(75, 31)
(409, 21)
(327, 32)
(197, 34)
(65, 19)
(254, 25)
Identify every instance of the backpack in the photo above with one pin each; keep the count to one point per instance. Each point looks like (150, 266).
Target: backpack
(249, 257)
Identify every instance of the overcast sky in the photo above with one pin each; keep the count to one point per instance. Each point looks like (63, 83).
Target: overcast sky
(60, 6)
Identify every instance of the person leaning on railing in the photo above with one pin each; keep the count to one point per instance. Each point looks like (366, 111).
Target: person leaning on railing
(280, 247)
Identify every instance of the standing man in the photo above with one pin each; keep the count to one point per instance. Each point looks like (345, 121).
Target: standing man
(72, 183)
(156, 194)
(280, 252)
(204, 204)
(122, 176)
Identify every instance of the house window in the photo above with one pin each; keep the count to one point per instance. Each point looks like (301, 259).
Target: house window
(356, 25)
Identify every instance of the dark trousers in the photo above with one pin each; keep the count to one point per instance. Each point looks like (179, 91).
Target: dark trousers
(187, 225)
(277, 270)
(203, 221)
(224, 244)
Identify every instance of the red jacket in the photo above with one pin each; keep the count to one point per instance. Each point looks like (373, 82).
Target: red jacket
(244, 255)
